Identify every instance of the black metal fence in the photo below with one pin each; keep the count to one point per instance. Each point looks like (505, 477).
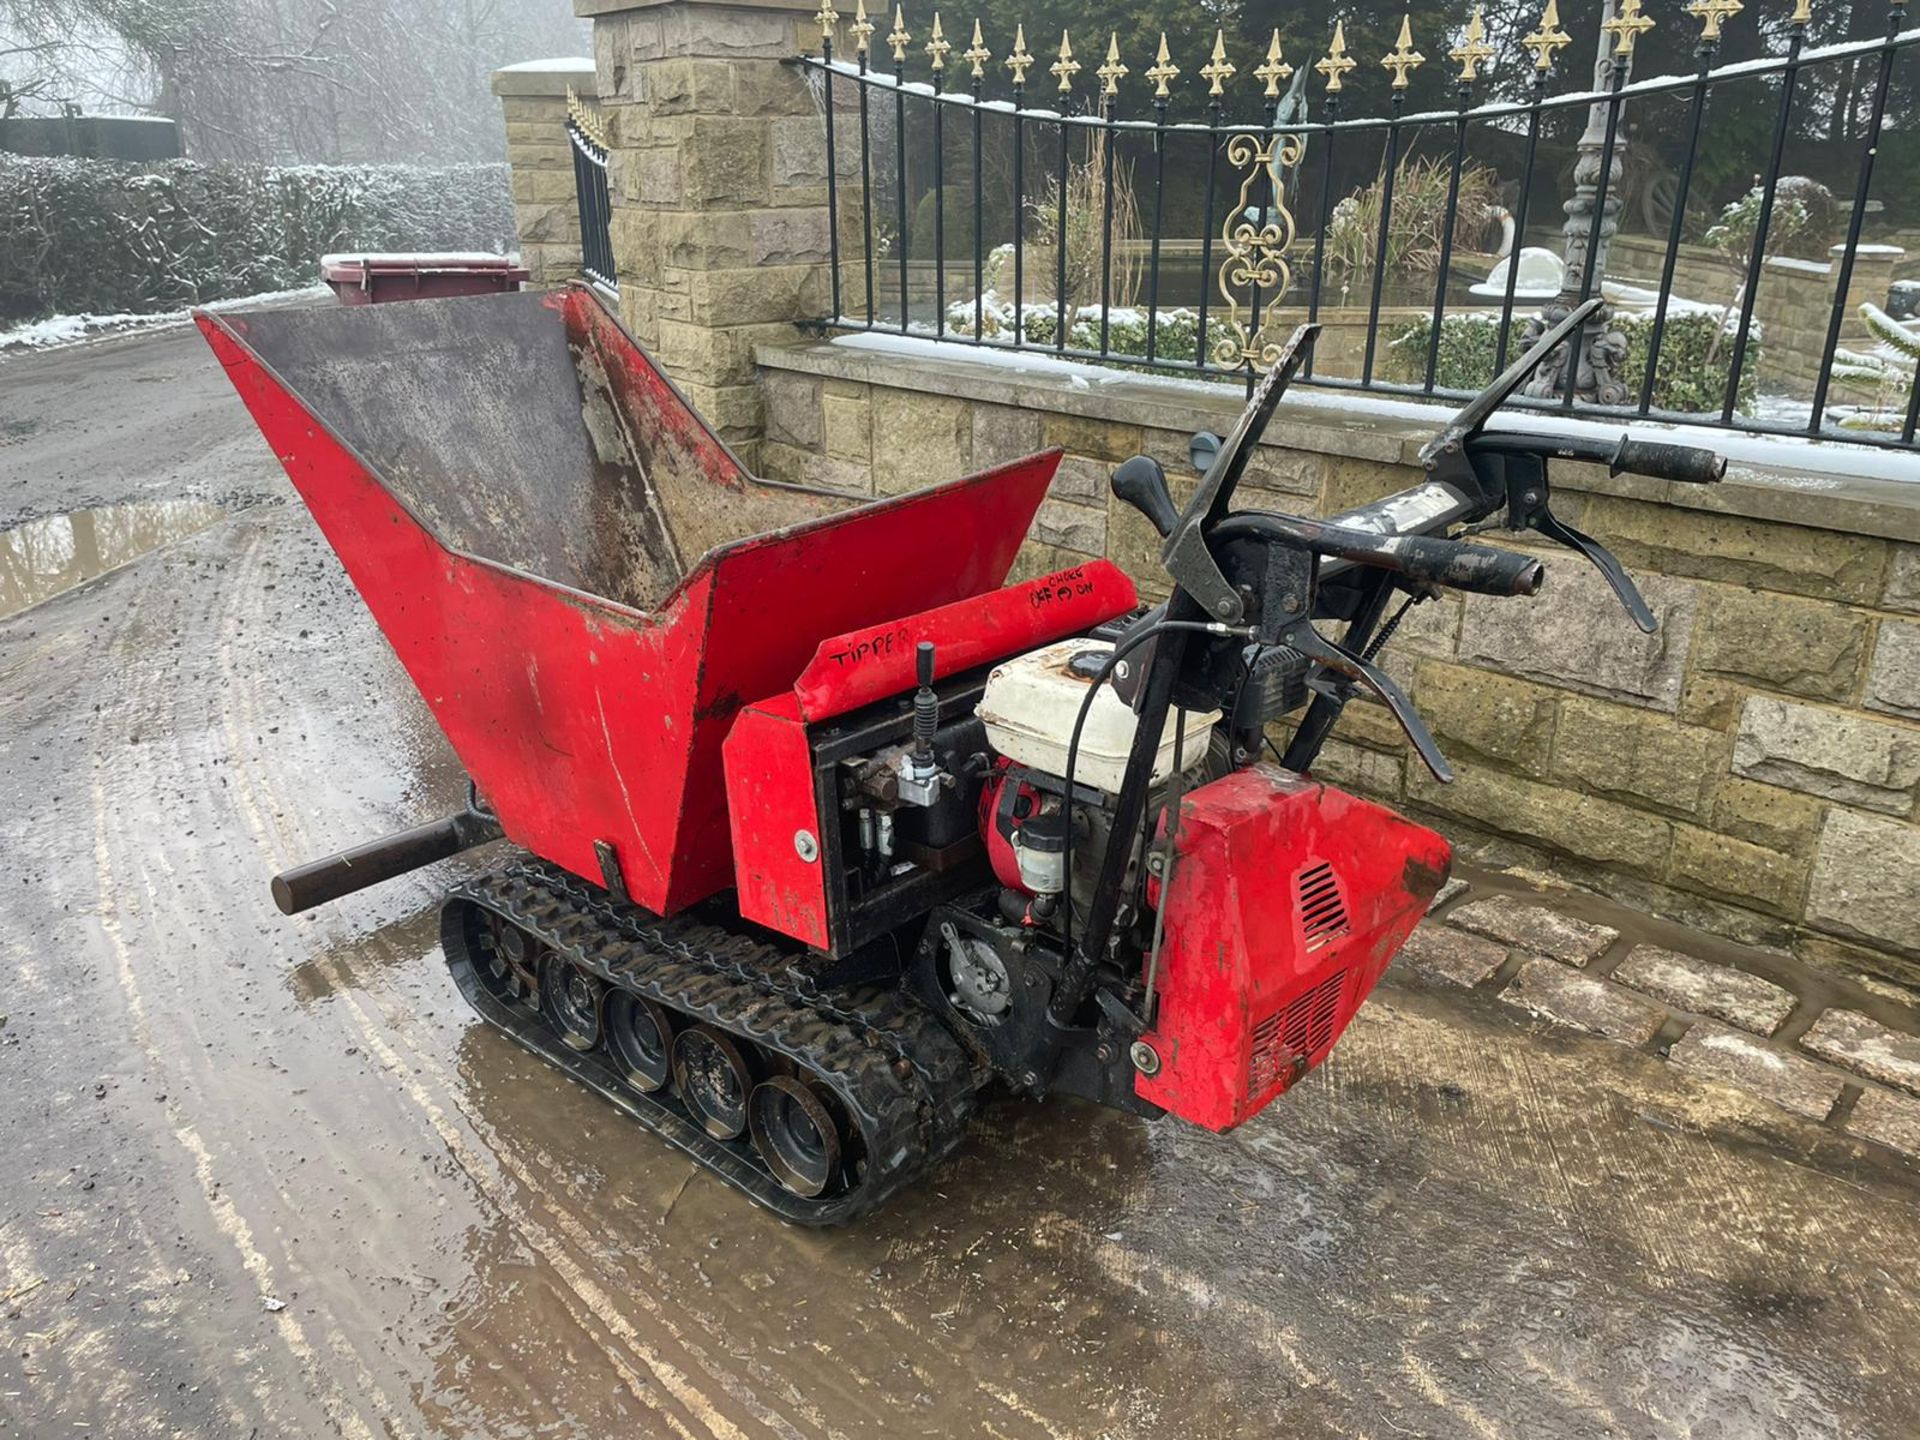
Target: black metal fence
(1131, 225)
(590, 190)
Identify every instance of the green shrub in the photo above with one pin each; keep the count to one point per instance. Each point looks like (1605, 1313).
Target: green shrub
(1688, 381)
(103, 236)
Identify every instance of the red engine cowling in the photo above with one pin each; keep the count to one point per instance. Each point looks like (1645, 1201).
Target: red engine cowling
(1287, 901)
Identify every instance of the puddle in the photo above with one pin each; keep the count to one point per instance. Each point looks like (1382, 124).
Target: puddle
(43, 558)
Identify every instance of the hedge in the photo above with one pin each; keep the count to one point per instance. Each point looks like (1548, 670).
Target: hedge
(1688, 380)
(84, 236)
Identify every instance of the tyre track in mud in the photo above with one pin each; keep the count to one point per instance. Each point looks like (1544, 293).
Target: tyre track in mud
(240, 594)
(149, 873)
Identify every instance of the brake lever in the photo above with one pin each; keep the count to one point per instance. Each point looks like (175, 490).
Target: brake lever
(1288, 588)
(1528, 509)
(1301, 635)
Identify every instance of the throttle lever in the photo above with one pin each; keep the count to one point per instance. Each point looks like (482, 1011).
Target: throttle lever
(1557, 530)
(1301, 635)
(1527, 509)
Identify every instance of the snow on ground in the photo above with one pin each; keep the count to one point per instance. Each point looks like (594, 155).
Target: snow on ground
(60, 330)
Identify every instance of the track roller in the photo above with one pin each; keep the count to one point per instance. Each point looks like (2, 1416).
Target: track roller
(640, 1035)
(714, 1078)
(572, 996)
(795, 1132)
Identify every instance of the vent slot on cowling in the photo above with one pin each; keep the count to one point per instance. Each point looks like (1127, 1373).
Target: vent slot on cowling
(1323, 914)
(1294, 1032)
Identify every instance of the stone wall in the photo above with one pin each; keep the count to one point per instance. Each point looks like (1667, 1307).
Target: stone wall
(533, 98)
(1752, 768)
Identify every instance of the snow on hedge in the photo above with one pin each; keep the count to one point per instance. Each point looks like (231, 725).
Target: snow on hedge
(96, 236)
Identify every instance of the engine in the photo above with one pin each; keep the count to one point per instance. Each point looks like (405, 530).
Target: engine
(1047, 797)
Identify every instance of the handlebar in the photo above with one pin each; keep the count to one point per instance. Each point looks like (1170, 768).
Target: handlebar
(1459, 564)
(1689, 464)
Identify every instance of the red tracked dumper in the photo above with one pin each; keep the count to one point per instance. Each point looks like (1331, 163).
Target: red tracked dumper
(823, 827)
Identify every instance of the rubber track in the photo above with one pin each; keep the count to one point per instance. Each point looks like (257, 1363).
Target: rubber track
(904, 1080)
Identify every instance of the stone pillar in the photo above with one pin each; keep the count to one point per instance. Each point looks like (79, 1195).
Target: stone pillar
(719, 186)
(540, 158)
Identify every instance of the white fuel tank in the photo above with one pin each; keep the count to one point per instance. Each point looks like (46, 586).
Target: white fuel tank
(1031, 703)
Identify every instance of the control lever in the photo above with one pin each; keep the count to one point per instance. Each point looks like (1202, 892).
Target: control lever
(1301, 635)
(919, 770)
(1528, 509)
(1292, 576)
(1143, 484)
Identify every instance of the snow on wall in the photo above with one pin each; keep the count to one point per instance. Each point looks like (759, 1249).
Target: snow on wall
(92, 236)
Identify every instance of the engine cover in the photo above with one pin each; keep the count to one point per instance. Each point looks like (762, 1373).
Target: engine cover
(1288, 899)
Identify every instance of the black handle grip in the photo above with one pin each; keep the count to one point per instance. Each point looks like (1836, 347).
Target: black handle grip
(1462, 565)
(1688, 463)
(1143, 484)
(923, 662)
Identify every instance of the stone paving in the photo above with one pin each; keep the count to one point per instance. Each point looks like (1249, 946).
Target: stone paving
(1821, 1047)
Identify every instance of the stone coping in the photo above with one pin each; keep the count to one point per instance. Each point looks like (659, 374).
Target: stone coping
(546, 78)
(1366, 428)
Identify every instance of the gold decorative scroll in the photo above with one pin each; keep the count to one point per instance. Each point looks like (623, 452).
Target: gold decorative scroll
(1256, 257)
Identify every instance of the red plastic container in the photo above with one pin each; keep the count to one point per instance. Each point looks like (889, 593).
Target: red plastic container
(376, 279)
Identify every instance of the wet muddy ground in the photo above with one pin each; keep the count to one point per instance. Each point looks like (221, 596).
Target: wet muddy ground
(267, 1177)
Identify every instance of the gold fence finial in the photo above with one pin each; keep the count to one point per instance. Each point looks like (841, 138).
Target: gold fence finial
(1273, 69)
(1627, 26)
(1403, 59)
(1337, 62)
(938, 45)
(1163, 71)
(1802, 13)
(1112, 72)
(586, 122)
(861, 29)
(828, 17)
(1217, 71)
(901, 36)
(1548, 38)
(1712, 14)
(1018, 60)
(977, 54)
(1066, 67)
(1473, 51)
